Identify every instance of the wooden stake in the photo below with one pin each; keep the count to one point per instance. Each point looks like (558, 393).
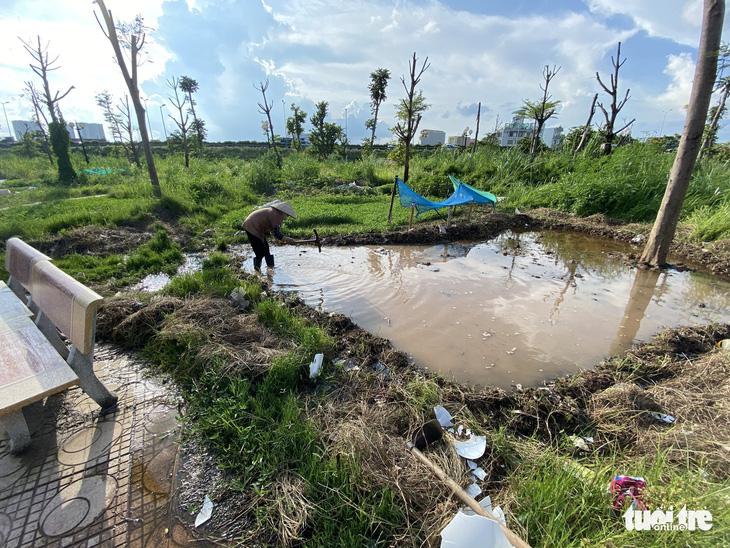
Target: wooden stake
(448, 219)
(471, 208)
(392, 199)
(410, 222)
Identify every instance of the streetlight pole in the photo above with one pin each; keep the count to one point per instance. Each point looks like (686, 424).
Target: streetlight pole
(283, 110)
(6, 118)
(345, 134)
(661, 131)
(163, 119)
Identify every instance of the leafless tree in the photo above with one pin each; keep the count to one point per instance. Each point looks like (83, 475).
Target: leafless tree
(265, 108)
(126, 124)
(541, 111)
(42, 66)
(182, 121)
(665, 225)
(476, 133)
(723, 86)
(39, 116)
(615, 105)
(587, 127)
(132, 39)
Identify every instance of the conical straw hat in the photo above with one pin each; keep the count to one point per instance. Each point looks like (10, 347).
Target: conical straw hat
(285, 207)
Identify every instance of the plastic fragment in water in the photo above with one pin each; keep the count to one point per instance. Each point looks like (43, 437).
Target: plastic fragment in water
(205, 512)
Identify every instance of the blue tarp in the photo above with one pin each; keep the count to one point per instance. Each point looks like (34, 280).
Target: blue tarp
(463, 194)
(488, 197)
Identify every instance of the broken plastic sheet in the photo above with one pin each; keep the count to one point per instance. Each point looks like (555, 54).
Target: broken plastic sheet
(205, 512)
(316, 366)
(465, 531)
(473, 448)
(443, 416)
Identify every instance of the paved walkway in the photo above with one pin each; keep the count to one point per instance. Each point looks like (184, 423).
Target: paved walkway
(88, 480)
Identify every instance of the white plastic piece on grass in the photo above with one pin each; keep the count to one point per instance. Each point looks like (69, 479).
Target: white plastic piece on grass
(471, 464)
(479, 473)
(316, 366)
(443, 416)
(466, 531)
(473, 490)
(205, 512)
(662, 417)
(473, 448)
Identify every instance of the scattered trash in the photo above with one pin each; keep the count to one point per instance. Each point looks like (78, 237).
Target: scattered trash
(578, 470)
(724, 344)
(473, 448)
(473, 490)
(580, 442)
(205, 512)
(316, 366)
(238, 297)
(443, 416)
(638, 239)
(473, 530)
(662, 417)
(627, 490)
(429, 433)
(442, 229)
(479, 473)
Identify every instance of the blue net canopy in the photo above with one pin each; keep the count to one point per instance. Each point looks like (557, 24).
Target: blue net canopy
(463, 194)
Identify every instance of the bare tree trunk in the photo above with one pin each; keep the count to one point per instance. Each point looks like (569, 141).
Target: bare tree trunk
(615, 105)
(476, 134)
(131, 81)
(657, 247)
(587, 127)
(266, 109)
(712, 130)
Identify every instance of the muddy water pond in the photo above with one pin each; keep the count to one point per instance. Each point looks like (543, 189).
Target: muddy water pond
(521, 308)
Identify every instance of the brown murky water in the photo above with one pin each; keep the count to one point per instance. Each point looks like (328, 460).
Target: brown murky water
(521, 308)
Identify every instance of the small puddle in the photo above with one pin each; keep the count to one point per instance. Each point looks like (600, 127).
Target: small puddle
(521, 308)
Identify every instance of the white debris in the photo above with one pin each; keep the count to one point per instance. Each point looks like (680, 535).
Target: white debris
(466, 531)
(205, 512)
(473, 448)
(316, 366)
(443, 416)
(473, 490)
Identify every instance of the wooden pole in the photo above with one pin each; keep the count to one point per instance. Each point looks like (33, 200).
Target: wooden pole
(448, 219)
(467, 499)
(471, 208)
(410, 222)
(392, 198)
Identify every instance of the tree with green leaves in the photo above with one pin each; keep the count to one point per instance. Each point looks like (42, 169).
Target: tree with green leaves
(182, 121)
(609, 130)
(190, 86)
(131, 37)
(410, 110)
(378, 82)
(295, 125)
(324, 135)
(42, 65)
(540, 111)
(662, 233)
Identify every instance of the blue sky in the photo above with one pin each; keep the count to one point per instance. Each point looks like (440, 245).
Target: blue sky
(325, 50)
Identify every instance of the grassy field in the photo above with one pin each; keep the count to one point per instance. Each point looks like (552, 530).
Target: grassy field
(321, 463)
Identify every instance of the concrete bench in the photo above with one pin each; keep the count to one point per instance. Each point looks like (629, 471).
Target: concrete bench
(34, 366)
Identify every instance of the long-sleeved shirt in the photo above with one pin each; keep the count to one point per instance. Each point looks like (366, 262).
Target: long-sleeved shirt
(263, 220)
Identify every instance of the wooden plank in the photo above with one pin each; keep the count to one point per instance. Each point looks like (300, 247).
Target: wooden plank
(30, 368)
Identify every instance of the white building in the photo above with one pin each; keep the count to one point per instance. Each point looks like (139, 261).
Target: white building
(432, 137)
(518, 128)
(21, 127)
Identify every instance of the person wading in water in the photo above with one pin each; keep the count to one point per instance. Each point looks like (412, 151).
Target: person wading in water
(263, 220)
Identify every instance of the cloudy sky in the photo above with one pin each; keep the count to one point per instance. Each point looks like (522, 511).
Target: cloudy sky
(325, 50)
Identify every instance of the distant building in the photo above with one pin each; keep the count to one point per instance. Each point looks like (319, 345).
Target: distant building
(552, 136)
(432, 137)
(89, 132)
(459, 141)
(514, 131)
(21, 127)
(518, 128)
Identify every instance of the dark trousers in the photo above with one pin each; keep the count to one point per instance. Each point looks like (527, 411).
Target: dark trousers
(260, 250)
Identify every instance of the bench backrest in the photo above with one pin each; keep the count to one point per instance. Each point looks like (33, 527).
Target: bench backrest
(69, 304)
(19, 260)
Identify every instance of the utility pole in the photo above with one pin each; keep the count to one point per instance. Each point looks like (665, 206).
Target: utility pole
(164, 127)
(6, 118)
